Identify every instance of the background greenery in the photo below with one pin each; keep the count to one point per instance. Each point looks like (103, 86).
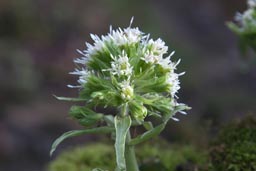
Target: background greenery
(151, 156)
(38, 41)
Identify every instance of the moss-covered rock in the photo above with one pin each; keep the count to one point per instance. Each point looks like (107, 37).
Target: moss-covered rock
(235, 147)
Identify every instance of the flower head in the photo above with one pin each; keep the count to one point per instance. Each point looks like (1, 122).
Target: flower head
(127, 67)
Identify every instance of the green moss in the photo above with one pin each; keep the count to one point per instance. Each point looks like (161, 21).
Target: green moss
(151, 156)
(85, 158)
(235, 147)
(170, 156)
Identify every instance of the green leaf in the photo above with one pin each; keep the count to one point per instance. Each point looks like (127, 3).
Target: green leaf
(69, 99)
(122, 126)
(147, 135)
(152, 132)
(85, 116)
(69, 134)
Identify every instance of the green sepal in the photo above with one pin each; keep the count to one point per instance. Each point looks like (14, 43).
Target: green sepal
(69, 134)
(122, 126)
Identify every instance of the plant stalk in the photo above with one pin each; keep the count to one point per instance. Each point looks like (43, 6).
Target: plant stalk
(130, 158)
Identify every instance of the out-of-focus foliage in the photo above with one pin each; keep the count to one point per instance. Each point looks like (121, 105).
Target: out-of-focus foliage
(235, 147)
(151, 156)
(246, 27)
(85, 158)
(172, 157)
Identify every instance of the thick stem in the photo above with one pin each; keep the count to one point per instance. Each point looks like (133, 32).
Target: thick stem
(130, 158)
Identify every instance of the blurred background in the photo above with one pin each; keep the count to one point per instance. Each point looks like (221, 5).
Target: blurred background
(38, 42)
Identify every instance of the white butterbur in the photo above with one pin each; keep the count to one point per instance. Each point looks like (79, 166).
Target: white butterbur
(126, 64)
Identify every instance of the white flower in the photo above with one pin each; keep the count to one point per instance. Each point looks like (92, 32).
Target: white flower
(117, 36)
(167, 64)
(83, 75)
(158, 47)
(121, 66)
(127, 36)
(133, 35)
(126, 90)
(174, 83)
(82, 60)
(97, 46)
(154, 51)
(150, 57)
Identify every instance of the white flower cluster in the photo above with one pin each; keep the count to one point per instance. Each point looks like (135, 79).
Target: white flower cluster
(83, 75)
(153, 54)
(154, 51)
(127, 36)
(121, 66)
(118, 37)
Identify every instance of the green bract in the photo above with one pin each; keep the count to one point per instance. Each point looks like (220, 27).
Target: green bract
(127, 71)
